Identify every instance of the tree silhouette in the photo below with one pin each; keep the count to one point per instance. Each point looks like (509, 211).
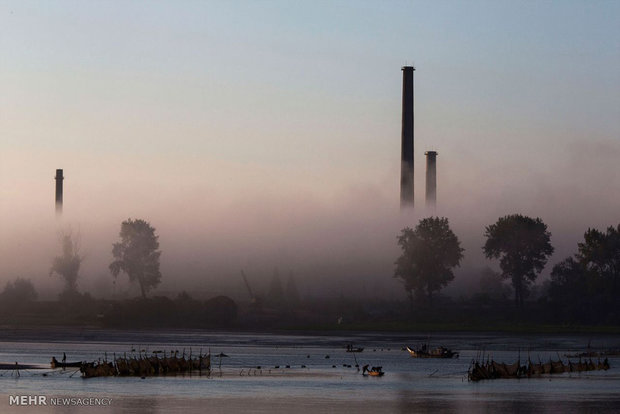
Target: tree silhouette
(570, 292)
(585, 287)
(137, 254)
(523, 243)
(68, 264)
(600, 254)
(430, 252)
(18, 294)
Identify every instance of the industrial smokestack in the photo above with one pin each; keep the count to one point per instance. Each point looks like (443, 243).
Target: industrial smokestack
(431, 179)
(406, 167)
(59, 179)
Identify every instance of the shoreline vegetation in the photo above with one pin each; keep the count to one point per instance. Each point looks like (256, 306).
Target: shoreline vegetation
(311, 315)
(581, 296)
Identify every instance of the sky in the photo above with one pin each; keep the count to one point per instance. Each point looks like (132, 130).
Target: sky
(266, 134)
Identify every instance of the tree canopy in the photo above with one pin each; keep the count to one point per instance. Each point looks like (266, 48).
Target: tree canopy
(585, 286)
(524, 245)
(137, 254)
(430, 252)
(18, 294)
(600, 254)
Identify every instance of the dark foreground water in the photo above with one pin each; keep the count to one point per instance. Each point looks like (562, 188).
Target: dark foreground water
(313, 383)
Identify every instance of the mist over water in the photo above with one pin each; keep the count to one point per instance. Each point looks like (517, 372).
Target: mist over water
(257, 137)
(337, 237)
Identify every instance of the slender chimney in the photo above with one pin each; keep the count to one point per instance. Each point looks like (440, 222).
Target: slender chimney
(406, 166)
(431, 179)
(59, 179)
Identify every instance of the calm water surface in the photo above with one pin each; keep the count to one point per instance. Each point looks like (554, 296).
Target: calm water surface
(313, 383)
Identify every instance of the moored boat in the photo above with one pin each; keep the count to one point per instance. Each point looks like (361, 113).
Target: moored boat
(55, 364)
(351, 348)
(439, 352)
(372, 372)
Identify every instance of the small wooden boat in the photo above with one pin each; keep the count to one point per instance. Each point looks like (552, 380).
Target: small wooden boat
(372, 372)
(439, 352)
(55, 364)
(350, 348)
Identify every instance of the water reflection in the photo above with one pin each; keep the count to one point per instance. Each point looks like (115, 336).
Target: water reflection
(323, 385)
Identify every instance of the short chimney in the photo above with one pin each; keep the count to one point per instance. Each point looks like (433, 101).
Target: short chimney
(59, 177)
(431, 179)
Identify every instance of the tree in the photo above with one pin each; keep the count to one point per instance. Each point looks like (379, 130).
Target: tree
(523, 243)
(68, 264)
(585, 287)
(600, 254)
(137, 254)
(430, 252)
(18, 294)
(569, 291)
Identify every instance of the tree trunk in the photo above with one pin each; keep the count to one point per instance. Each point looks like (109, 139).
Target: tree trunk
(516, 296)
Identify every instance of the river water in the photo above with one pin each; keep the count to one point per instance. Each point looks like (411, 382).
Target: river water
(320, 377)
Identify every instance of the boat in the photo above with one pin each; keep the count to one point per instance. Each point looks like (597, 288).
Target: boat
(439, 352)
(350, 348)
(372, 372)
(55, 364)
